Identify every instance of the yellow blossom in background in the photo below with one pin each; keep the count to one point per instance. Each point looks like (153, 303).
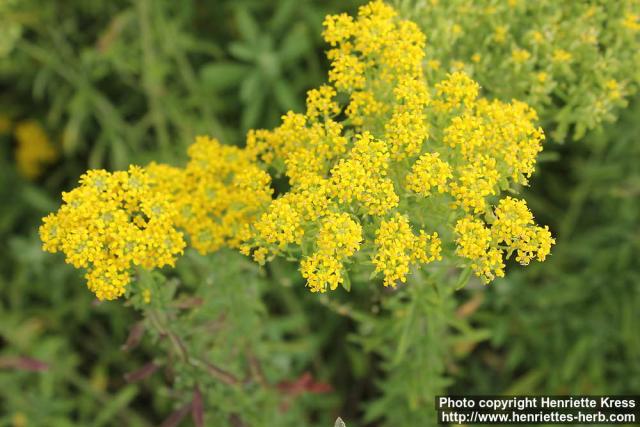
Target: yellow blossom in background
(5, 124)
(34, 150)
(542, 77)
(631, 21)
(561, 55)
(520, 55)
(555, 56)
(615, 91)
(537, 37)
(146, 296)
(19, 420)
(500, 34)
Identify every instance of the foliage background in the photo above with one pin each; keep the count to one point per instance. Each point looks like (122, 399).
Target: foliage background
(114, 83)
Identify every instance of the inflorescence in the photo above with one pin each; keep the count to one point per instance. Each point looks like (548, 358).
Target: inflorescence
(381, 167)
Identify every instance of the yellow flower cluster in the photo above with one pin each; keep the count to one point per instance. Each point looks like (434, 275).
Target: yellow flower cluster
(474, 243)
(111, 222)
(216, 194)
(34, 150)
(378, 167)
(362, 174)
(427, 173)
(512, 230)
(339, 238)
(397, 248)
(457, 90)
(361, 177)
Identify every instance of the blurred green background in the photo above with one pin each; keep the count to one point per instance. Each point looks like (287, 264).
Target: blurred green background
(105, 84)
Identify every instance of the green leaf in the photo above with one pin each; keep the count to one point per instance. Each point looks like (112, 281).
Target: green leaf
(283, 15)
(242, 51)
(252, 89)
(247, 26)
(346, 284)
(252, 113)
(285, 96)
(295, 44)
(223, 75)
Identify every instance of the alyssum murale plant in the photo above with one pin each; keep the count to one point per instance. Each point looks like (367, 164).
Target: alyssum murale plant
(575, 62)
(383, 170)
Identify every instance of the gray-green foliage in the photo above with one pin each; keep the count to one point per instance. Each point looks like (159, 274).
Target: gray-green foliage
(571, 327)
(575, 62)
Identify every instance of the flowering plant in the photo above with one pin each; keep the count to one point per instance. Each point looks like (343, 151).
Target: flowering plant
(573, 62)
(381, 169)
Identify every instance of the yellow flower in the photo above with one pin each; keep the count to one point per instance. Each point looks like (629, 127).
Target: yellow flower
(363, 106)
(217, 194)
(515, 228)
(321, 271)
(474, 243)
(34, 150)
(500, 34)
(474, 182)
(320, 102)
(360, 178)
(455, 91)
(397, 247)
(520, 56)
(337, 28)
(427, 173)
(352, 178)
(561, 55)
(110, 223)
(339, 236)
(281, 225)
(542, 77)
(347, 70)
(5, 124)
(631, 21)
